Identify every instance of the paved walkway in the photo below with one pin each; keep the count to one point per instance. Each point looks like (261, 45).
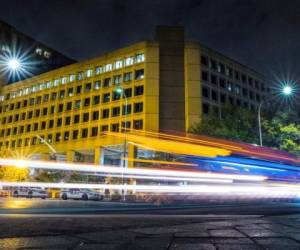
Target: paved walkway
(150, 232)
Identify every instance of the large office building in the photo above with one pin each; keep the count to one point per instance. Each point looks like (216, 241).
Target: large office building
(166, 84)
(35, 57)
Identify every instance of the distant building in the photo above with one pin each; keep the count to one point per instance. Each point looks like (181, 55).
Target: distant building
(169, 84)
(36, 57)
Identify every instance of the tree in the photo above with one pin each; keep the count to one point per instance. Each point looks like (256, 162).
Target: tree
(282, 131)
(234, 123)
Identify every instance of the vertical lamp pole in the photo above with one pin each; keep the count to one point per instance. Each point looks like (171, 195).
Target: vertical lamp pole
(286, 90)
(121, 91)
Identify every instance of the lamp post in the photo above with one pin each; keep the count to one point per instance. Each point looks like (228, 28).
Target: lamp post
(121, 91)
(286, 90)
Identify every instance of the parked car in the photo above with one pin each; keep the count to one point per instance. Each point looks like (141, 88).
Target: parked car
(80, 194)
(30, 193)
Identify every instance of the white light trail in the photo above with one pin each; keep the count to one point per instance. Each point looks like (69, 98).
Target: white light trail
(239, 190)
(133, 171)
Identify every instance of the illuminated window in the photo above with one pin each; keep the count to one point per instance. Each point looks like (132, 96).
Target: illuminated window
(72, 78)
(39, 51)
(47, 54)
(56, 82)
(140, 58)
(129, 61)
(49, 138)
(49, 85)
(97, 85)
(98, 70)
(108, 67)
(64, 80)
(118, 64)
(127, 76)
(89, 73)
(116, 96)
(139, 74)
(61, 94)
(117, 79)
(70, 91)
(80, 76)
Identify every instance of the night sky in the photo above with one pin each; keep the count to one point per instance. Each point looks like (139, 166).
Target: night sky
(264, 35)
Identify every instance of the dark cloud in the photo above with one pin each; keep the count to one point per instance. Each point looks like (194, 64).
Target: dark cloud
(262, 34)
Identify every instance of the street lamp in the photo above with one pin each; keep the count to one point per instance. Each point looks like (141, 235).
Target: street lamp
(13, 64)
(287, 91)
(121, 91)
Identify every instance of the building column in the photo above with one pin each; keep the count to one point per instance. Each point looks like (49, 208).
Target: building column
(70, 156)
(98, 156)
(131, 153)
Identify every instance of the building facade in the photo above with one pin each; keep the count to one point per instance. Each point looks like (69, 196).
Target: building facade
(35, 56)
(166, 84)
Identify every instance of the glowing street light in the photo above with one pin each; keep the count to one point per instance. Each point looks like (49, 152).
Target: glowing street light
(286, 91)
(13, 64)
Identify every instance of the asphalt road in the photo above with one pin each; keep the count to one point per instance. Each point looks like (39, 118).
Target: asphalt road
(37, 206)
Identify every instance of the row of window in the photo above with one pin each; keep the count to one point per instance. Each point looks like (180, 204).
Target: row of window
(85, 102)
(74, 134)
(223, 83)
(229, 72)
(83, 75)
(85, 117)
(214, 95)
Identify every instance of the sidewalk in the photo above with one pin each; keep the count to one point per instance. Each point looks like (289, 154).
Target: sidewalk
(150, 232)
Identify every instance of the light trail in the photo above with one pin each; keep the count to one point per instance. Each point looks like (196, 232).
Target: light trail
(237, 190)
(133, 171)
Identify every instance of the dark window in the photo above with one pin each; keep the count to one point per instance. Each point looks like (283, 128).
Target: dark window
(115, 127)
(16, 117)
(243, 78)
(238, 102)
(204, 75)
(60, 108)
(57, 137)
(213, 64)
(21, 130)
(221, 68)
(18, 105)
(8, 130)
(126, 125)
(10, 118)
(76, 119)
(104, 128)
(38, 100)
(106, 82)
(205, 108)
(139, 74)
(245, 92)
(128, 92)
(251, 95)
(116, 96)
(35, 126)
(138, 107)
(31, 101)
(237, 75)
(75, 134)
(87, 102)
(106, 97)
(223, 98)
(68, 120)
(250, 81)
(43, 125)
(49, 138)
(52, 110)
(105, 113)
(66, 136)
(88, 87)
(25, 103)
(78, 89)
(96, 99)
(12, 105)
(117, 79)
(53, 96)
(23, 116)
(214, 95)
(84, 133)
(94, 131)
(139, 90)
(46, 98)
(85, 117)
(126, 109)
(28, 128)
(29, 115)
(45, 111)
(115, 111)
(69, 106)
(37, 113)
(231, 100)
(213, 79)
(246, 105)
(96, 115)
(204, 60)
(205, 92)
(138, 124)
(51, 124)
(257, 97)
(58, 122)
